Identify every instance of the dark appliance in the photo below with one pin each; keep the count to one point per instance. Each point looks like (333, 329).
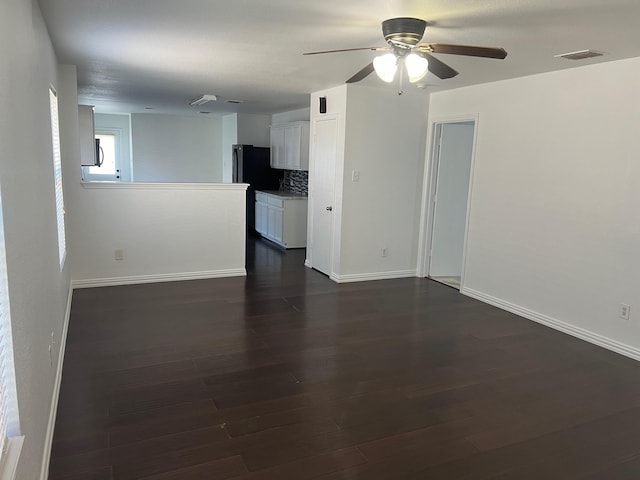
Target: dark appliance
(252, 165)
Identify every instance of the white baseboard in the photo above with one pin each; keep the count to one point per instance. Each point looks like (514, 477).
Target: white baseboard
(307, 263)
(365, 277)
(581, 333)
(48, 441)
(168, 277)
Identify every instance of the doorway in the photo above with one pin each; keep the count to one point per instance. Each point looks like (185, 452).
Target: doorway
(323, 157)
(451, 162)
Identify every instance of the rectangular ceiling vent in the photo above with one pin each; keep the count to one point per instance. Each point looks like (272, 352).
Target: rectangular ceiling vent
(580, 55)
(233, 101)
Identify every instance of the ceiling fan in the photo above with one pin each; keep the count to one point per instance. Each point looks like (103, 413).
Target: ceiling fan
(403, 35)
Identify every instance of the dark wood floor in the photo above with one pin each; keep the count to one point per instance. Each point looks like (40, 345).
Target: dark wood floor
(287, 375)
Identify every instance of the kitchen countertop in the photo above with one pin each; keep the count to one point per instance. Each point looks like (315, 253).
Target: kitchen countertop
(283, 194)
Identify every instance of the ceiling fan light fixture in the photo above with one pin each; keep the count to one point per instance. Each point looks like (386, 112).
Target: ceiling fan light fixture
(417, 67)
(386, 66)
(202, 99)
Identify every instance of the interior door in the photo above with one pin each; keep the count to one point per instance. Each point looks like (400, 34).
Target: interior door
(324, 153)
(452, 193)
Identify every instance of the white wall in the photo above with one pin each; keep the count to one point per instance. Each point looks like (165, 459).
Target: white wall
(554, 221)
(385, 142)
(166, 231)
(299, 115)
(254, 129)
(229, 138)
(38, 290)
(382, 136)
(170, 148)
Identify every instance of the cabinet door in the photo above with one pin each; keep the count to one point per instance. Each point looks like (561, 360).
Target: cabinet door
(271, 222)
(277, 223)
(86, 125)
(277, 147)
(304, 146)
(292, 135)
(261, 218)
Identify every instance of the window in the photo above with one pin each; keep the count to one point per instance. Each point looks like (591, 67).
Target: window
(109, 152)
(9, 424)
(57, 174)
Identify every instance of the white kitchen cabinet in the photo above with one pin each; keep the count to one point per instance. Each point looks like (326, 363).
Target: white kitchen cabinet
(274, 229)
(261, 217)
(282, 218)
(277, 147)
(87, 131)
(290, 146)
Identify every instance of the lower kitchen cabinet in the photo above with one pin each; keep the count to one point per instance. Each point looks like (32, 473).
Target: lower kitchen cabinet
(261, 217)
(282, 218)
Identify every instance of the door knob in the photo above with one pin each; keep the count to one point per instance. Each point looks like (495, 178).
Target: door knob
(329, 208)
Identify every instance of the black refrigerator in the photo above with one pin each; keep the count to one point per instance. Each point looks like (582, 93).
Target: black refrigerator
(252, 165)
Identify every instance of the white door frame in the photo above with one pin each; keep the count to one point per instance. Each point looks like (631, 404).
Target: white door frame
(429, 190)
(311, 197)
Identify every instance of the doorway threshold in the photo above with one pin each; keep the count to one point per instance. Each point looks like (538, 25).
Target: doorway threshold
(449, 281)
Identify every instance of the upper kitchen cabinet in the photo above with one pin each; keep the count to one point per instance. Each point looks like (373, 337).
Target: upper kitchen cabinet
(290, 146)
(88, 148)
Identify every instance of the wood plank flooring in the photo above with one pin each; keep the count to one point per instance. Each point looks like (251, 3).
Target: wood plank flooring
(287, 375)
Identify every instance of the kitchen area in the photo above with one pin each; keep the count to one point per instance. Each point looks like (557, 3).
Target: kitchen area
(178, 188)
(278, 184)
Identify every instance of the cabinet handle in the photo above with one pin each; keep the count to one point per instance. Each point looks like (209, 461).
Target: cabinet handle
(329, 208)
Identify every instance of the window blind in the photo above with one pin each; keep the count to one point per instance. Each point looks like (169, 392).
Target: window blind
(57, 173)
(9, 424)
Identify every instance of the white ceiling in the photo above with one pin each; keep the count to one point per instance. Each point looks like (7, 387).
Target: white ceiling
(133, 54)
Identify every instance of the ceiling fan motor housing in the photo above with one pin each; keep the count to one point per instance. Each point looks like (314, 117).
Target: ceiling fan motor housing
(404, 32)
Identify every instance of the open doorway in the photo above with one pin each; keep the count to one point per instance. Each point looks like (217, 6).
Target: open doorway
(451, 165)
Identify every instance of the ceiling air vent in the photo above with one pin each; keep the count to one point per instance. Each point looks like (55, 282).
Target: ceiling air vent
(580, 54)
(233, 101)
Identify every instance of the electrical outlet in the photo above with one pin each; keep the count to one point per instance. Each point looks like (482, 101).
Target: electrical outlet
(625, 311)
(355, 176)
(384, 252)
(119, 254)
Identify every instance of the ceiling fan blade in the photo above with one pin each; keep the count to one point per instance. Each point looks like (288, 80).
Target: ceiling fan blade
(438, 68)
(347, 50)
(362, 74)
(468, 50)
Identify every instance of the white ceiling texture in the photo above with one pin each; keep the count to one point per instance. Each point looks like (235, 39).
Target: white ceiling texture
(132, 55)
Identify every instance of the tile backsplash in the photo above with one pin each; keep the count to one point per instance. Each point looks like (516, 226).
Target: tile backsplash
(296, 181)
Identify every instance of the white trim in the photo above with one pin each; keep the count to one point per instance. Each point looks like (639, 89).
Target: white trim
(581, 333)
(10, 465)
(165, 186)
(364, 277)
(162, 277)
(48, 440)
(307, 263)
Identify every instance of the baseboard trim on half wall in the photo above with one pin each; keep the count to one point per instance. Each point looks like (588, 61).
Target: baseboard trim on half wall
(168, 277)
(364, 277)
(581, 333)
